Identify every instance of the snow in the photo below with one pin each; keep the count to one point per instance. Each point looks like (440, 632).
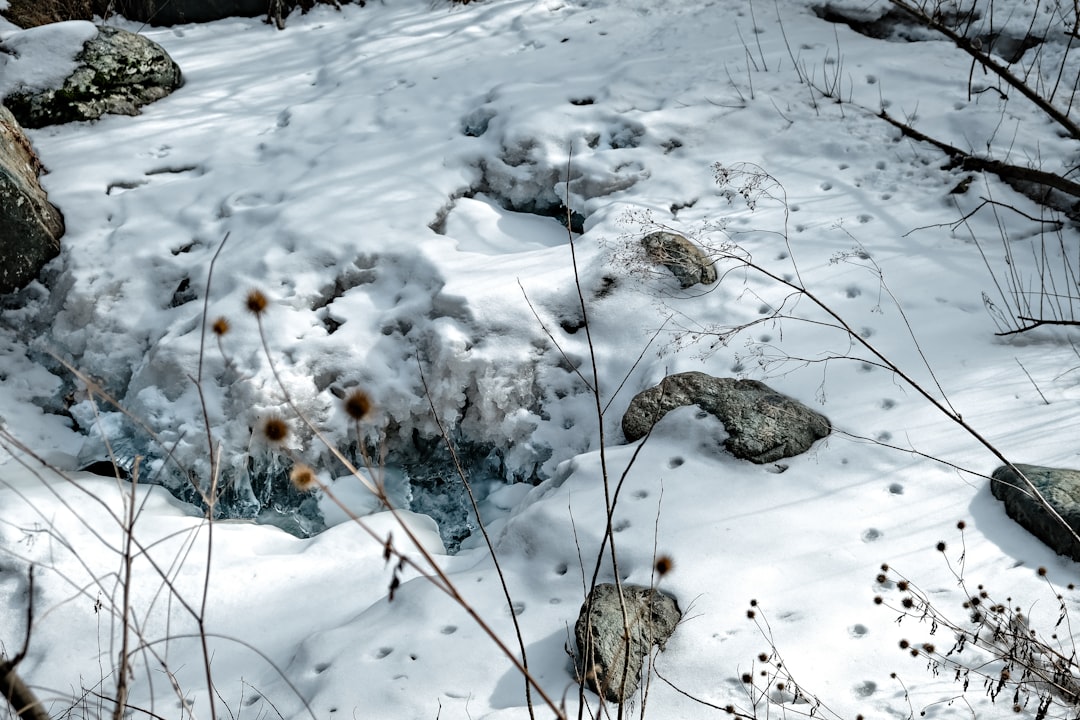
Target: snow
(42, 57)
(391, 177)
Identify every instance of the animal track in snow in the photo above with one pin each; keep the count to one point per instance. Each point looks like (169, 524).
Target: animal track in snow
(866, 688)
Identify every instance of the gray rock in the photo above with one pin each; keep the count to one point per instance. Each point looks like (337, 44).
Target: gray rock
(30, 226)
(1060, 487)
(611, 651)
(763, 425)
(118, 72)
(683, 258)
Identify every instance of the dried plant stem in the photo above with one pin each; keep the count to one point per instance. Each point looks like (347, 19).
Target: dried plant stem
(487, 538)
(430, 570)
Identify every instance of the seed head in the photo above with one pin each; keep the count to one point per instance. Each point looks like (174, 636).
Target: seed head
(275, 429)
(941, 547)
(303, 477)
(961, 525)
(220, 326)
(902, 586)
(358, 405)
(1041, 571)
(878, 599)
(747, 678)
(664, 565)
(255, 302)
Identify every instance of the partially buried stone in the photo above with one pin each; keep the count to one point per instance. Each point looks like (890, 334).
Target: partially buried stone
(614, 635)
(1061, 489)
(763, 425)
(683, 258)
(117, 72)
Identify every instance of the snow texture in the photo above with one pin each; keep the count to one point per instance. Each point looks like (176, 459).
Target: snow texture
(393, 178)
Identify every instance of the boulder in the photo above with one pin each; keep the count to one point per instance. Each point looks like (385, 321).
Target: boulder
(683, 258)
(30, 226)
(175, 12)
(116, 71)
(1061, 489)
(763, 425)
(612, 644)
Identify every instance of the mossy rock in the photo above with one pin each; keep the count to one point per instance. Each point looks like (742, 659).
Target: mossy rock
(118, 72)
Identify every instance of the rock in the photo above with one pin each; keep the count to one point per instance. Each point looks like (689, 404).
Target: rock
(116, 72)
(605, 650)
(683, 258)
(1061, 489)
(763, 425)
(175, 12)
(30, 226)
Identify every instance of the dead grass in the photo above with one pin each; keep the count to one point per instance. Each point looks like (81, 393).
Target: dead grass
(31, 13)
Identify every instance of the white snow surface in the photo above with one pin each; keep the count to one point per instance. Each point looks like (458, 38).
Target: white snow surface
(42, 57)
(375, 170)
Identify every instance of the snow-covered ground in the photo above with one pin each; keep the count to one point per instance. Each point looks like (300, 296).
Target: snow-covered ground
(388, 175)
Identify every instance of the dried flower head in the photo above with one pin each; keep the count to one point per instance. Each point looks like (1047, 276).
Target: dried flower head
(358, 405)
(902, 586)
(255, 302)
(275, 429)
(747, 678)
(1041, 571)
(904, 644)
(878, 599)
(940, 547)
(664, 565)
(961, 525)
(220, 326)
(303, 477)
